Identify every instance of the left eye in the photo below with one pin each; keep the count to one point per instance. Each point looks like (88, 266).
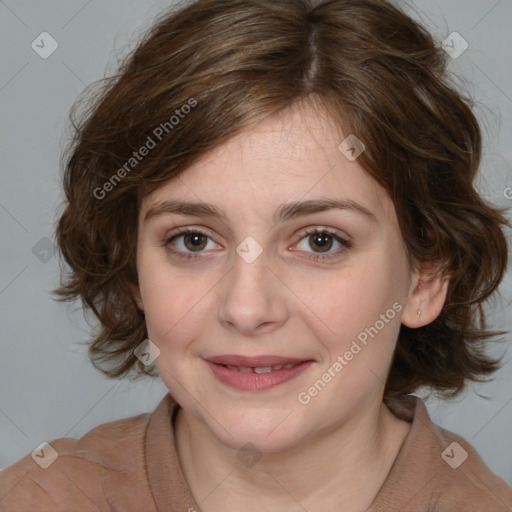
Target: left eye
(325, 240)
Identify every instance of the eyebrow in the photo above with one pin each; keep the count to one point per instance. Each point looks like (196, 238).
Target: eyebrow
(286, 211)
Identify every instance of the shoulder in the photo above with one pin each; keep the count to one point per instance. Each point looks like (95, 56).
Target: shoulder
(438, 470)
(465, 481)
(80, 474)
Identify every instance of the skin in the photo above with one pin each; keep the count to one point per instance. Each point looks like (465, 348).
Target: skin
(340, 446)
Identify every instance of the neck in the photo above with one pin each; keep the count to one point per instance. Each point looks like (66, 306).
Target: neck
(346, 465)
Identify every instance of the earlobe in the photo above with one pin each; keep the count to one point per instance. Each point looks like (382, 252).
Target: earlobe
(426, 300)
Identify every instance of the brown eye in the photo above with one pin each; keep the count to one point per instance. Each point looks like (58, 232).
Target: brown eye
(188, 244)
(322, 240)
(318, 242)
(195, 241)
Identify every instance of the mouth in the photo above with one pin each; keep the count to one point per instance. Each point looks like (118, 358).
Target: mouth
(256, 373)
(259, 369)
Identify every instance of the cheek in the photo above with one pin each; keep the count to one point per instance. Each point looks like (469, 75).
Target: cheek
(170, 311)
(355, 314)
(349, 301)
(175, 302)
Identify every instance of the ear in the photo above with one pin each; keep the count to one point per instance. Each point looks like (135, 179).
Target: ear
(135, 292)
(426, 297)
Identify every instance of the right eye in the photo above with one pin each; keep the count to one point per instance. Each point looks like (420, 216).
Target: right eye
(192, 241)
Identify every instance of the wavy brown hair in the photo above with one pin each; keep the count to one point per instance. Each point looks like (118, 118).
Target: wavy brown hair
(373, 70)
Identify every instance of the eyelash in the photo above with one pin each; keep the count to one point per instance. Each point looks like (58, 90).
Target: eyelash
(346, 244)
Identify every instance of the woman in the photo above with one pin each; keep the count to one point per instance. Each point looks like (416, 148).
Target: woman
(272, 208)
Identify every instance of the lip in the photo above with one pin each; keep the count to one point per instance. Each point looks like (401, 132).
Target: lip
(256, 381)
(266, 360)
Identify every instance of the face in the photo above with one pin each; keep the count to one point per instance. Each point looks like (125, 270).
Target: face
(322, 288)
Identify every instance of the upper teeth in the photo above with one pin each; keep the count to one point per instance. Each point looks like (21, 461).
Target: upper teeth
(261, 369)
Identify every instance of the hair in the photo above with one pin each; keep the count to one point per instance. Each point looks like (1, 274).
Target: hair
(211, 69)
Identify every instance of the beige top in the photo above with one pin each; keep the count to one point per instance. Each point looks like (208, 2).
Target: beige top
(132, 465)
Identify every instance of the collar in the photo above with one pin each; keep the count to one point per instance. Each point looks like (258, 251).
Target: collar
(412, 479)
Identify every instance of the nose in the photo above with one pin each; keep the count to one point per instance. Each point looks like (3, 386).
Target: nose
(252, 297)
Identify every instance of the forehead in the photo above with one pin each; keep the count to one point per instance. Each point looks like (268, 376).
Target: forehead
(291, 156)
